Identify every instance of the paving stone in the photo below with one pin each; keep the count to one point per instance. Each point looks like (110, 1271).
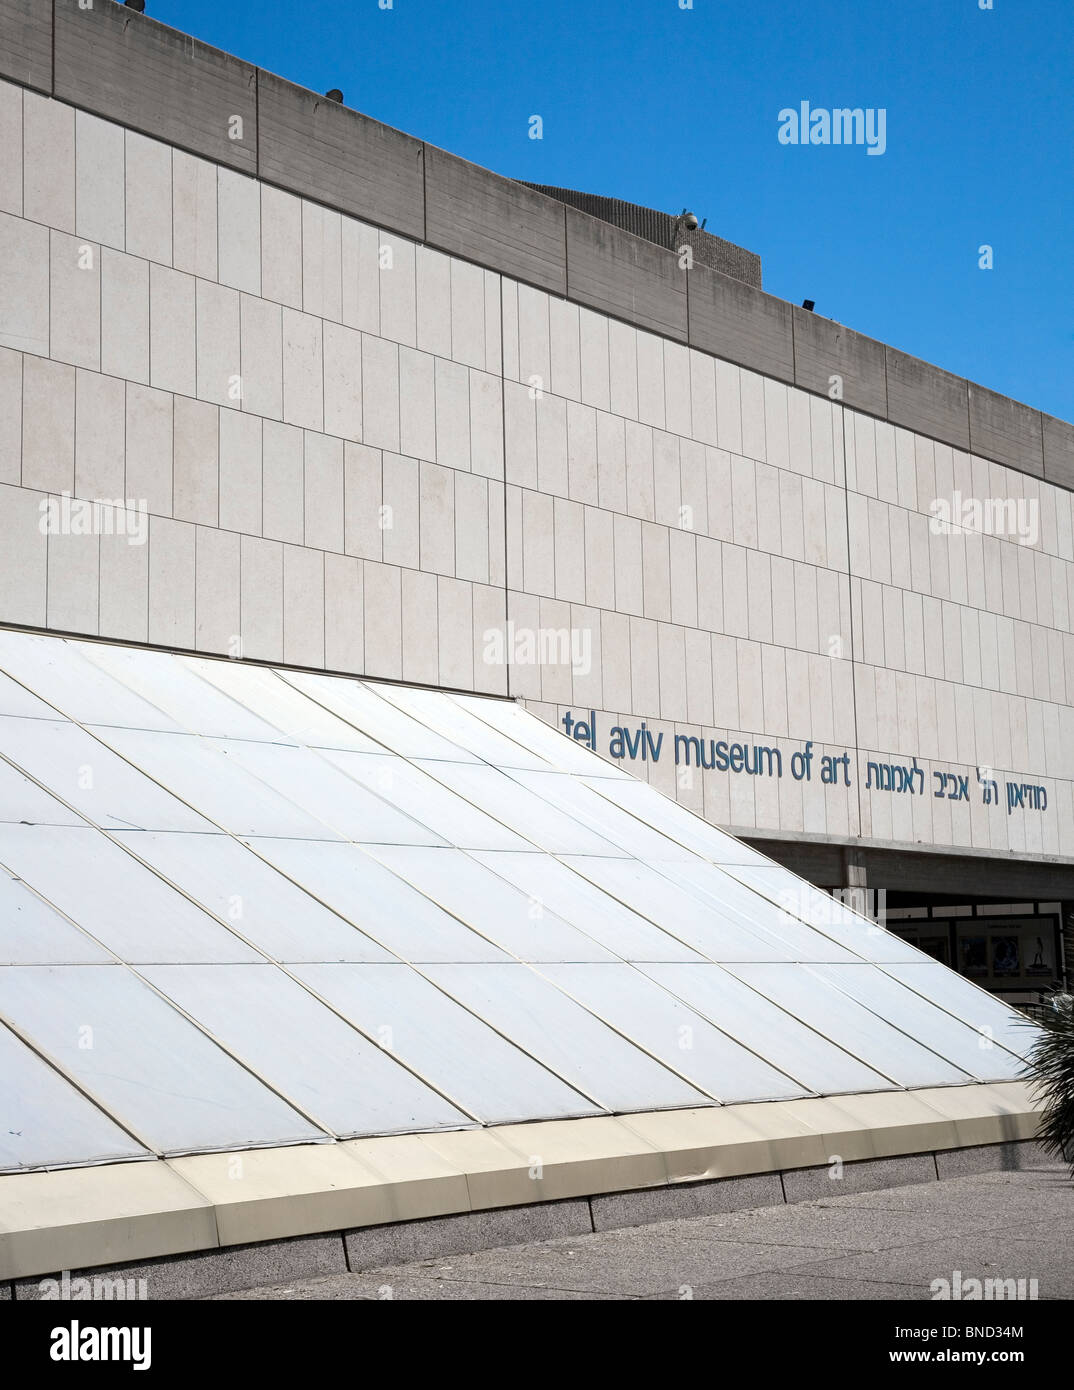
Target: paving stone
(1046, 1258)
(837, 1225)
(640, 1261)
(399, 1286)
(1007, 1196)
(795, 1284)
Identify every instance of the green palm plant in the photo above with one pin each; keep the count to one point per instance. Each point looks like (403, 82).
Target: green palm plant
(1050, 1069)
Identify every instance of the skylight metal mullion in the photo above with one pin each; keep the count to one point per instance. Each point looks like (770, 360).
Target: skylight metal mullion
(307, 1114)
(228, 927)
(178, 718)
(122, 845)
(489, 731)
(690, 1080)
(328, 1133)
(538, 849)
(637, 909)
(537, 1003)
(350, 717)
(728, 868)
(733, 870)
(593, 782)
(475, 703)
(699, 1009)
(85, 1091)
(872, 1008)
(873, 1066)
(886, 967)
(666, 867)
(417, 967)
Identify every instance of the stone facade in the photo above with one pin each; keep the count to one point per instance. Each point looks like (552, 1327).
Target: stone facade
(321, 442)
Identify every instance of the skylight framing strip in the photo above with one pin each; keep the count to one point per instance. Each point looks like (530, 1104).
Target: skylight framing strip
(924, 965)
(807, 1091)
(729, 868)
(873, 1066)
(872, 1008)
(86, 1092)
(268, 959)
(328, 1134)
(413, 760)
(840, 1047)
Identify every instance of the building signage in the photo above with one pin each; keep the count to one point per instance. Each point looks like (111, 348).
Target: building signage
(640, 744)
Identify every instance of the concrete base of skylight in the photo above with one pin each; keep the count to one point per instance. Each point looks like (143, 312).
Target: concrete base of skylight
(325, 1201)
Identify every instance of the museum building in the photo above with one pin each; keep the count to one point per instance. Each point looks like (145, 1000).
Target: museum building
(496, 710)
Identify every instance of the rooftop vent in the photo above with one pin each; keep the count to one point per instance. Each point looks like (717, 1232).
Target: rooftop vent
(667, 229)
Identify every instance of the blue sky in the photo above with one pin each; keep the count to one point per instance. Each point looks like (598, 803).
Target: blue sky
(668, 107)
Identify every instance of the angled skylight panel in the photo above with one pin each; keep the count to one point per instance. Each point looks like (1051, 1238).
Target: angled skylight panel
(518, 724)
(967, 1001)
(345, 1082)
(547, 881)
(59, 671)
(565, 1037)
(448, 717)
(33, 933)
(677, 911)
(47, 1121)
(800, 901)
(538, 820)
(851, 1026)
(975, 1050)
(24, 802)
(311, 780)
(17, 700)
(757, 1023)
(729, 899)
(358, 704)
(126, 906)
(520, 925)
(261, 904)
(638, 1007)
(675, 821)
(198, 772)
(602, 817)
(193, 704)
(425, 800)
(462, 1056)
(81, 770)
(379, 902)
(280, 704)
(143, 1062)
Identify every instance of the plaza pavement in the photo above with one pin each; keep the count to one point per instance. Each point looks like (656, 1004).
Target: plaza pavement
(889, 1244)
